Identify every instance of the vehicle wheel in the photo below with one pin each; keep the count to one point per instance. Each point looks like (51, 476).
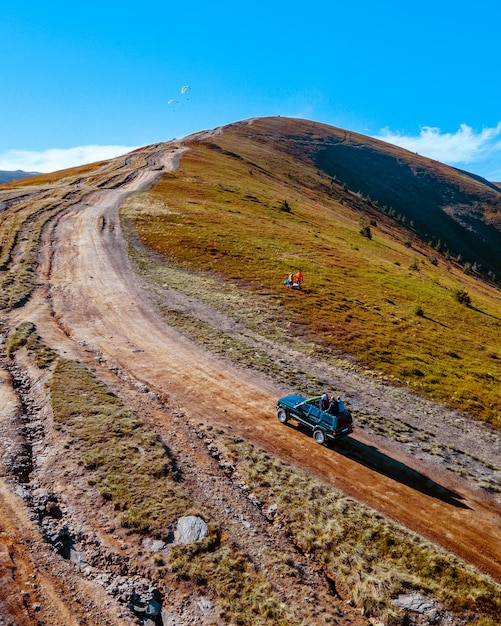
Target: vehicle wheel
(282, 416)
(319, 436)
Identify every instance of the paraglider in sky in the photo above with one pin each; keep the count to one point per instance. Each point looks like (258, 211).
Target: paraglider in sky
(173, 101)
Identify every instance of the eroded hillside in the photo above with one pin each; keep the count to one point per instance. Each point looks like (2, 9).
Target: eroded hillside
(139, 396)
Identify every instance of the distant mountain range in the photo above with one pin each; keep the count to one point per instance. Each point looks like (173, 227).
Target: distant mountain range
(8, 177)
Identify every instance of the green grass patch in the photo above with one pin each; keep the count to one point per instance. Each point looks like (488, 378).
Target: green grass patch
(25, 335)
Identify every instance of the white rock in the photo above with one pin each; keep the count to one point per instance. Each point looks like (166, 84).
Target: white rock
(190, 529)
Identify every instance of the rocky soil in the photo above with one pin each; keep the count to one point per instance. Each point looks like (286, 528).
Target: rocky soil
(64, 558)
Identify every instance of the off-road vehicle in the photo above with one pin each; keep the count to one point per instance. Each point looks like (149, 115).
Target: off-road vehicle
(325, 425)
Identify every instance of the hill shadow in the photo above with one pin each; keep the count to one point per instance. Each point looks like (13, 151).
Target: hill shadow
(372, 458)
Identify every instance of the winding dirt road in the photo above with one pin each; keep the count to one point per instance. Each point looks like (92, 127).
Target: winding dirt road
(92, 300)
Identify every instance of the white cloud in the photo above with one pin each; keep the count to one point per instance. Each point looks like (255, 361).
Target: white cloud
(58, 158)
(464, 148)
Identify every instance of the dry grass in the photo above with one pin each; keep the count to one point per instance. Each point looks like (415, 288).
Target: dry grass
(128, 464)
(132, 468)
(221, 215)
(248, 597)
(372, 558)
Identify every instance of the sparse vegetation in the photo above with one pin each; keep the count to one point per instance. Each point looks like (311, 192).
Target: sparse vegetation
(130, 467)
(19, 246)
(344, 305)
(18, 338)
(246, 597)
(43, 197)
(25, 335)
(373, 558)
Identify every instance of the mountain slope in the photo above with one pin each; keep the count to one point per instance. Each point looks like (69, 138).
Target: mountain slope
(456, 211)
(8, 176)
(145, 336)
(250, 204)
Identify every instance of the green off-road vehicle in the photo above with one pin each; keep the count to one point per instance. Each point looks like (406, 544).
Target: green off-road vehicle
(326, 425)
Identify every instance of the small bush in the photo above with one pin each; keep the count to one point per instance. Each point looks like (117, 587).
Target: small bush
(418, 310)
(462, 296)
(365, 231)
(285, 206)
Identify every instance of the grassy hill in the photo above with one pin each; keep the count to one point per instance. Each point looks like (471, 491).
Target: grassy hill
(392, 246)
(248, 204)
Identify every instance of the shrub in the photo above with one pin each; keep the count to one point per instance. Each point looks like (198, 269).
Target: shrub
(462, 296)
(365, 231)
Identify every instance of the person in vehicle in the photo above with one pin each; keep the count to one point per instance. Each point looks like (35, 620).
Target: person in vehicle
(333, 406)
(323, 403)
(336, 406)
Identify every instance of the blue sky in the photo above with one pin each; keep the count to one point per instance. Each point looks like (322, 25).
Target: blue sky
(80, 82)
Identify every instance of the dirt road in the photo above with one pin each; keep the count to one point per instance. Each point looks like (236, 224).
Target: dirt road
(90, 304)
(98, 301)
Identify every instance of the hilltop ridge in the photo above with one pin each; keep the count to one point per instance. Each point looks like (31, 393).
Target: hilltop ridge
(455, 211)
